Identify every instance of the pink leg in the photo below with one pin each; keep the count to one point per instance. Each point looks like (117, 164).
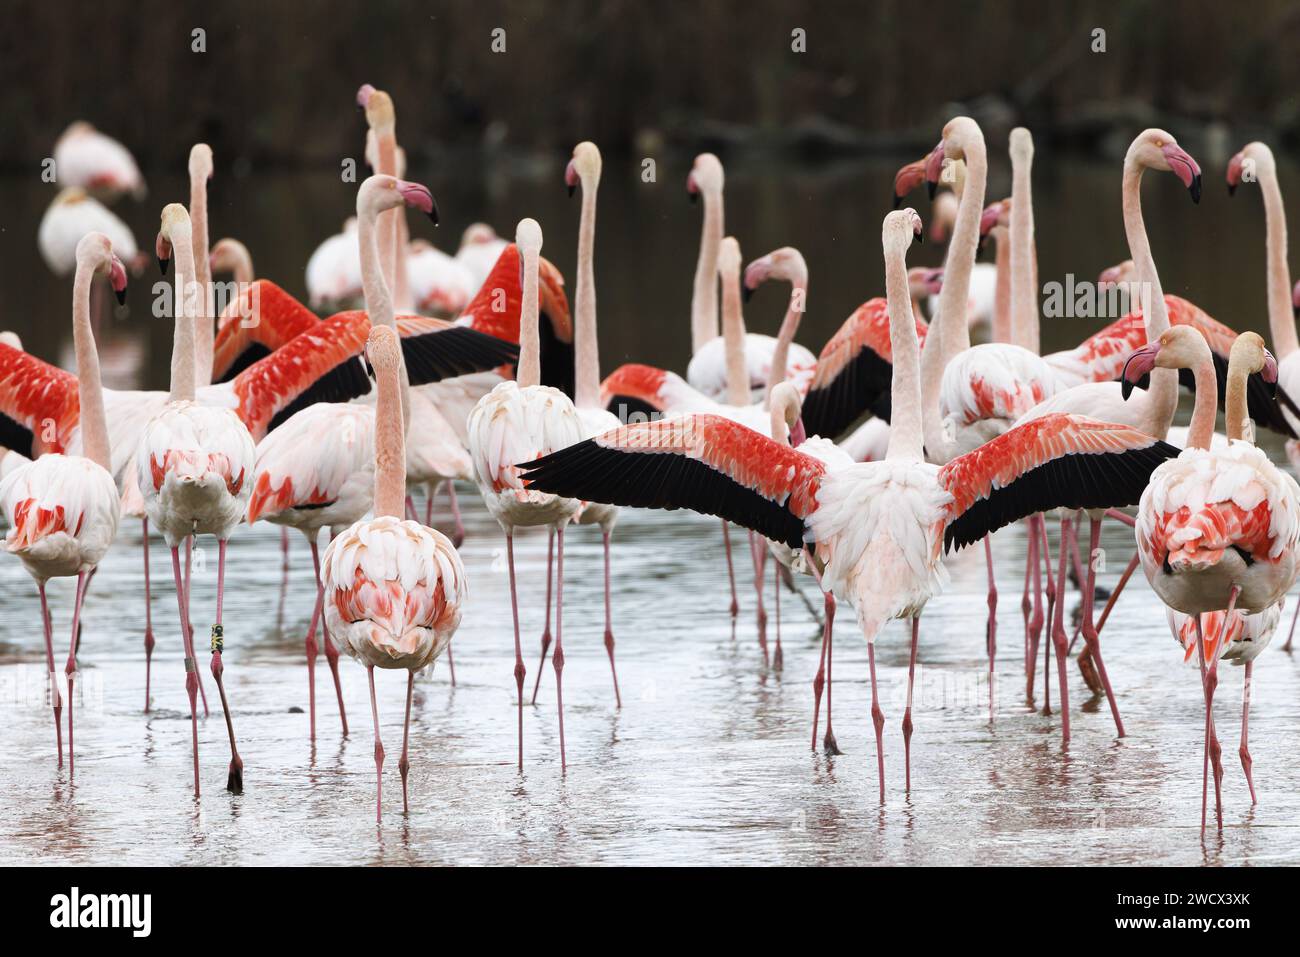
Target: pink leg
(235, 777)
(609, 624)
(520, 671)
(877, 719)
(458, 536)
(819, 680)
(731, 570)
(546, 632)
(71, 668)
(55, 695)
(991, 630)
(1058, 633)
(1291, 634)
(1036, 617)
(1213, 751)
(1026, 604)
(379, 750)
(757, 551)
(411, 514)
(428, 505)
(1119, 587)
(191, 671)
(1090, 635)
(829, 742)
(1051, 614)
(148, 618)
(310, 645)
(557, 659)
(331, 652)
(907, 714)
(404, 765)
(778, 658)
(284, 547)
(451, 666)
(1244, 750)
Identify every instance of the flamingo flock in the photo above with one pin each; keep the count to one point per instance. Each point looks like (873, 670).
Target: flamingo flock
(862, 465)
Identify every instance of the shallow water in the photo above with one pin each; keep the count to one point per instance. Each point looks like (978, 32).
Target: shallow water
(708, 762)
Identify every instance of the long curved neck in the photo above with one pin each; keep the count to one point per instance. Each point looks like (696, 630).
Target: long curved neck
(1281, 323)
(390, 447)
(1002, 287)
(186, 307)
(1163, 392)
(529, 371)
(90, 390)
(243, 266)
(789, 326)
(780, 431)
(379, 304)
(386, 159)
(1200, 431)
(1235, 410)
(905, 386)
(586, 346)
(203, 333)
(1024, 300)
(733, 334)
(704, 298)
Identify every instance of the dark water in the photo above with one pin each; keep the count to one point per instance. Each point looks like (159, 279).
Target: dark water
(709, 759)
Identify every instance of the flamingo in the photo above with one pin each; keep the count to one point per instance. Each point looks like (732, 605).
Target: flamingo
(87, 158)
(314, 472)
(440, 284)
(1216, 531)
(876, 529)
(393, 588)
(200, 170)
(480, 248)
(1152, 411)
(230, 255)
(72, 214)
(519, 421)
(62, 510)
(708, 369)
(334, 269)
(193, 462)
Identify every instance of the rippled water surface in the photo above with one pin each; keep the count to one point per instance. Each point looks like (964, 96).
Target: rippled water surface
(708, 762)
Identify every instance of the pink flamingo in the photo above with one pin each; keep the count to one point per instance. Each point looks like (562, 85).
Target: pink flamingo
(393, 588)
(62, 510)
(516, 422)
(86, 158)
(877, 530)
(1216, 531)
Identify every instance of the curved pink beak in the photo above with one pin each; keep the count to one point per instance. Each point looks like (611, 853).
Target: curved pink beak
(756, 274)
(907, 179)
(1185, 168)
(571, 177)
(692, 187)
(798, 435)
(1295, 298)
(363, 95)
(117, 279)
(1269, 372)
(933, 168)
(163, 250)
(418, 196)
(1234, 173)
(934, 281)
(989, 218)
(1140, 363)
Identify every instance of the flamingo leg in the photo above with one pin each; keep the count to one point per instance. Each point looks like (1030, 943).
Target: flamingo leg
(991, 630)
(55, 695)
(829, 742)
(235, 777)
(404, 764)
(907, 714)
(148, 616)
(1058, 632)
(191, 671)
(731, 570)
(1026, 603)
(429, 491)
(1291, 634)
(1244, 750)
(379, 750)
(520, 670)
(1090, 636)
(756, 556)
(609, 624)
(71, 668)
(284, 548)
(819, 679)
(331, 652)
(458, 535)
(1036, 617)
(877, 719)
(778, 659)
(1123, 580)
(557, 659)
(1213, 751)
(451, 665)
(189, 625)
(411, 513)
(546, 632)
(1051, 613)
(310, 643)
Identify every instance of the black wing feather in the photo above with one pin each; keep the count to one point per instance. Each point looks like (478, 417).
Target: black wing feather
(345, 382)
(458, 350)
(862, 386)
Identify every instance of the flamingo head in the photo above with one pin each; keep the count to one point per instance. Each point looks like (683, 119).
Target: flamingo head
(996, 215)
(901, 229)
(1247, 164)
(1182, 347)
(1124, 272)
(380, 192)
(528, 237)
(476, 234)
(1248, 351)
(786, 403)
(958, 133)
(786, 263)
(924, 281)
(226, 255)
(174, 218)
(1157, 149)
(363, 96)
(584, 167)
(380, 114)
(705, 176)
(729, 258)
(909, 178)
(95, 251)
(200, 165)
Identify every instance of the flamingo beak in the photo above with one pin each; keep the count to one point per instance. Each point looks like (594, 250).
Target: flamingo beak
(1184, 167)
(418, 195)
(1139, 364)
(117, 278)
(692, 188)
(756, 274)
(907, 179)
(163, 249)
(1234, 173)
(798, 435)
(1269, 373)
(571, 177)
(933, 169)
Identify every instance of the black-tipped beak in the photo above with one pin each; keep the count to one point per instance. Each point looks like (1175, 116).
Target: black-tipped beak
(745, 293)
(1232, 189)
(571, 190)
(163, 263)
(931, 188)
(433, 211)
(121, 296)
(898, 200)
(918, 239)
(1125, 388)
(1195, 189)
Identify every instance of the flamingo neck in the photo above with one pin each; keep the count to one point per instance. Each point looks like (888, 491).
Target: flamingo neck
(183, 378)
(1162, 395)
(905, 386)
(733, 332)
(704, 298)
(90, 390)
(203, 334)
(1001, 331)
(529, 371)
(386, 159)
(379, 303)
(390, 445)
(242, 266)
(1024, 298)
(780, 431)
(789, 327)
(1281, 322)
(1200, 431)
(586, 345)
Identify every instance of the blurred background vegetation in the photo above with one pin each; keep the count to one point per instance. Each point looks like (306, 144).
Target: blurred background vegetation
(637, 76)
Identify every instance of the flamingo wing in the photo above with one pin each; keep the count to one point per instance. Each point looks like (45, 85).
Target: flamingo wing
(261, 319)
(1057, 461)
(634, 389)
(853, 372)
(706, 463)
(435, 349)
(39, 404)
